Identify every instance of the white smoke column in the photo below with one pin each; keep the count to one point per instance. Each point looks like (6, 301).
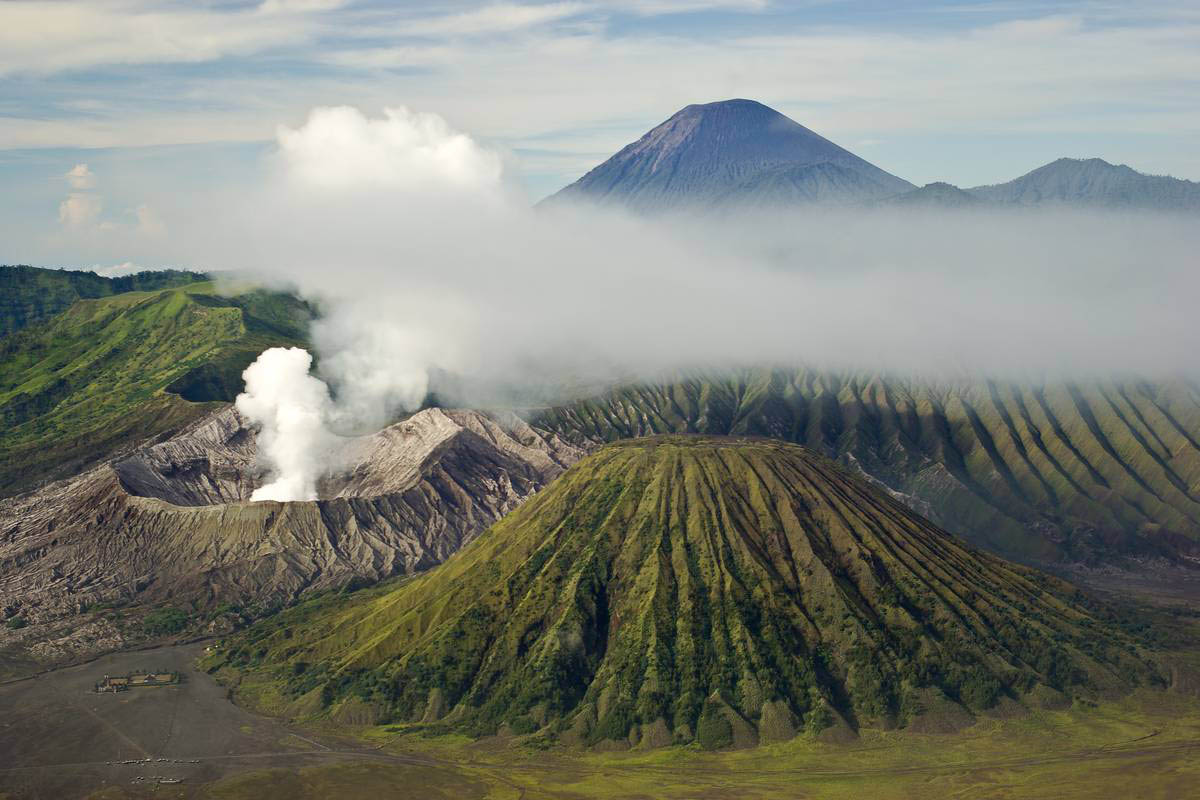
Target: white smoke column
(290, 408)
(377, 339)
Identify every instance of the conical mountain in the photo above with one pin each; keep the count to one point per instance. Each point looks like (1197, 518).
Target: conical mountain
(733, 152)
(678, 589)
(1094, 182)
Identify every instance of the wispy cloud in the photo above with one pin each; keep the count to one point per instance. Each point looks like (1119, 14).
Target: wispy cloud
(79, 210)
(49, 37)
(491, 19)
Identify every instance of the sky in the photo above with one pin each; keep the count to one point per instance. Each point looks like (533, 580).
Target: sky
(120, 119)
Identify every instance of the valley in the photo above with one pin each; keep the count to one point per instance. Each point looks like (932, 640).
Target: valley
(62, 738)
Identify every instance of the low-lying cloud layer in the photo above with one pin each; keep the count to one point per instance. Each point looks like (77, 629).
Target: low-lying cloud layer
(424, 258)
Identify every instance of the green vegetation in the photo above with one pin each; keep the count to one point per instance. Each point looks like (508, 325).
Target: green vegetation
(16, 623)
(349, 781)
(113, 371)
(29, 294)
(683, 589)
(165, 621)
(1086, 471)
(1142, 745)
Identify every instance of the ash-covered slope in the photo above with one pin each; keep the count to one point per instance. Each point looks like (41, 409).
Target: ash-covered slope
(1094, 182)
(172, 522)
(678, 589)
(734, 152)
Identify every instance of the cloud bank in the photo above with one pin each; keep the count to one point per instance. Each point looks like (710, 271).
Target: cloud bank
(426, 262)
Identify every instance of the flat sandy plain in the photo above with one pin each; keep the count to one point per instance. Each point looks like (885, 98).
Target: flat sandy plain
(59, 739)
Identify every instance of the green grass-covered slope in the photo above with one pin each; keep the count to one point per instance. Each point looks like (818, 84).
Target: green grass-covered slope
(1062, 471)
(679, 589)
(31, 294)
(115, 370)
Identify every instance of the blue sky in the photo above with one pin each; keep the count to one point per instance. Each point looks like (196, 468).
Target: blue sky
(167, 102)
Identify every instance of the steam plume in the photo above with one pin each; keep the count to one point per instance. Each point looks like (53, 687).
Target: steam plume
(290, 410)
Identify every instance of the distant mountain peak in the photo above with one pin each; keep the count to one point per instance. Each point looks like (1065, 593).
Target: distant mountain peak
(731, 152)
(1093, 182)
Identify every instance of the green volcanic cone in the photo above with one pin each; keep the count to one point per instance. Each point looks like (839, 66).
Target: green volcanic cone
(678, 589)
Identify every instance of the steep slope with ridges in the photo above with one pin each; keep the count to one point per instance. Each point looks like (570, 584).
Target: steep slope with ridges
(1058, 471)
(692, 589)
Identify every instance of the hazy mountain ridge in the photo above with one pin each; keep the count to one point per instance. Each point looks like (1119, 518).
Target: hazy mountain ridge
(937, 195)
(1093, 182)
(30, 294)
(679, 589)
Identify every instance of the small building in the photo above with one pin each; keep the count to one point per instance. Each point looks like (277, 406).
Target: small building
(121, 683)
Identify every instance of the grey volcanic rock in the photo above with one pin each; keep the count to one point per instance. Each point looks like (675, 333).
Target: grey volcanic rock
(729, 153)
(172, 522)
(1094, 182)
(211, 461)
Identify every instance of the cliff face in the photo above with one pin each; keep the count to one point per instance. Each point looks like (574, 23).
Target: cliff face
(172, 523)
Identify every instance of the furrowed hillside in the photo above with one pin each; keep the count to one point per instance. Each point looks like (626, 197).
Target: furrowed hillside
(1067, 471)
(30, 294)
(679, 589)
(111, 372)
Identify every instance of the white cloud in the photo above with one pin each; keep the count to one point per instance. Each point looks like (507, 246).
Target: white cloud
(46, 37)
(491, 19)
(79, 210)
(341, 147)
(80, 213)
(1044, 74)
(293, 6)
(80, 177)
(148, 222)
(648, 8)
(116, 270)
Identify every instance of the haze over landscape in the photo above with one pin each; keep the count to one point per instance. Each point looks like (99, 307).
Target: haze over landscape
(599, 399)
